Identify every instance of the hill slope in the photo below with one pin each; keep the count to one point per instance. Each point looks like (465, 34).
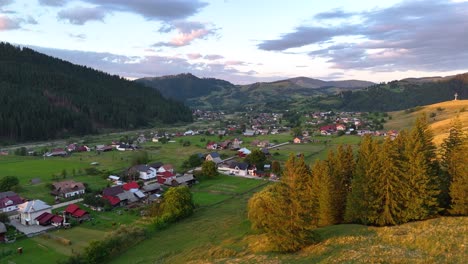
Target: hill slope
(221, 234)
(442, 114)
(212, 93)
(43, 98)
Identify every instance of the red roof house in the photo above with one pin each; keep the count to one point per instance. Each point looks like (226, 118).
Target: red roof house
(131, 185)
(71, 208)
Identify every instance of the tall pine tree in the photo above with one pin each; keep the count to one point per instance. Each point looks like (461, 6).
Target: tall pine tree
(359, 197)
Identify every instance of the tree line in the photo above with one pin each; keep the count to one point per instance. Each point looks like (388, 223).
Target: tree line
(44, 98)
(387, 183)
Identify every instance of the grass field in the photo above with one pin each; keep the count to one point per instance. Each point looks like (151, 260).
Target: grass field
(440, 123)
(221, 234)
(213, 191)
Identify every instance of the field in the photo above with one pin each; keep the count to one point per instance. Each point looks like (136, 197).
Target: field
(49, 170)
(442, 113)
(221, 234)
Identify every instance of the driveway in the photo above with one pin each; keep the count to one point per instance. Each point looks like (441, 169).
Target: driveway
(30, 230)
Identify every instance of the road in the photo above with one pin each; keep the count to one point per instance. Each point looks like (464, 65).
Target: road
(55, 206)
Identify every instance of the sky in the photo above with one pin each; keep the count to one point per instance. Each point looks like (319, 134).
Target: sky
(246, 41)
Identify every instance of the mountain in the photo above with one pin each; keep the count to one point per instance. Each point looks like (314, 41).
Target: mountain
(404, 94)
(43, 98)
(185, 86)
(210, 93)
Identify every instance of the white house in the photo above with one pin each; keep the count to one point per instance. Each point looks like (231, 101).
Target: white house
(9, 201)
(30, 210)
(146, 172)
(68, 188)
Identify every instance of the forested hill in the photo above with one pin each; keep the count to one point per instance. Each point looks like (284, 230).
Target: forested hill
(404, 94)
(43, 98)
(185, 86)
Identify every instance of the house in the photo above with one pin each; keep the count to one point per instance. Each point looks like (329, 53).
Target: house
(263, 144)
(156, 165)
(47, 218)
(214, 156)
(29, 211)
(328, 130)
(111, 194)
(75, 211)
(164, 176)
(236, 144)
(56, 153)
(68, 188)
(186, 179)
(82, 149)
(9, 201)
(249, 133)
(340, 127)
(152, 188)
(103, 148)
(141, 139)
(225, 144)
(127, 197)
(211, 145)
(145, 172)
(131, 186)
(252, 170)
(239, 168)
(243, 152)
(71, 147)
(298, 140)
(3, 231)
(164, 168)
(189, 133)
(124, 147)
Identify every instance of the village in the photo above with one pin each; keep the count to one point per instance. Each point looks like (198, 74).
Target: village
(73, 202)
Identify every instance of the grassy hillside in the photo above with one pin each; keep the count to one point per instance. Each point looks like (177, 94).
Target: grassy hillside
(442, 114)
(221, 234)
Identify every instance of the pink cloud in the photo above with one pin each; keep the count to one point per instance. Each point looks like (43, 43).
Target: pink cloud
(194, 56)
(7, 23)
(183, 39)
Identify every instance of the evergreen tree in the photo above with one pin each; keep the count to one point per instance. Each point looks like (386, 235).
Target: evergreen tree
(388, 189)
(458, 170)
(357, 204)
(323, 204)
(455, 139)
(423, 191)
(283, 210)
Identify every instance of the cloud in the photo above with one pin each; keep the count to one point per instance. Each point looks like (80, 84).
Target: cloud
(147, 66)
(334, 14)
(194, 56)
(412, 35)
(7, 23)
(81, 15)
(77, 36)
(5, 3)
(187, 31)
(213, 57)
(235, 63)
(53, 2)
(162, 10)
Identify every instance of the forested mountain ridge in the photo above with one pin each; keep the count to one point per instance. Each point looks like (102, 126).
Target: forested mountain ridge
(306, 94)
(43, 98)
(404, 94)
(213, 93)
(185, 86)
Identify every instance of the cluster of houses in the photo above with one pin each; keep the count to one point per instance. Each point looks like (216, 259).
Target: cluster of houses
(36, 212)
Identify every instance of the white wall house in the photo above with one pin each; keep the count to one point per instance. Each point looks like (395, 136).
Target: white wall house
(146, 172)
(30, 210)
(9, 201)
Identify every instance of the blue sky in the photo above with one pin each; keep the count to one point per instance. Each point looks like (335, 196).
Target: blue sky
(247, 41)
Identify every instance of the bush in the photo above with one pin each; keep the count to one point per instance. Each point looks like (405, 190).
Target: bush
(92, 171)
